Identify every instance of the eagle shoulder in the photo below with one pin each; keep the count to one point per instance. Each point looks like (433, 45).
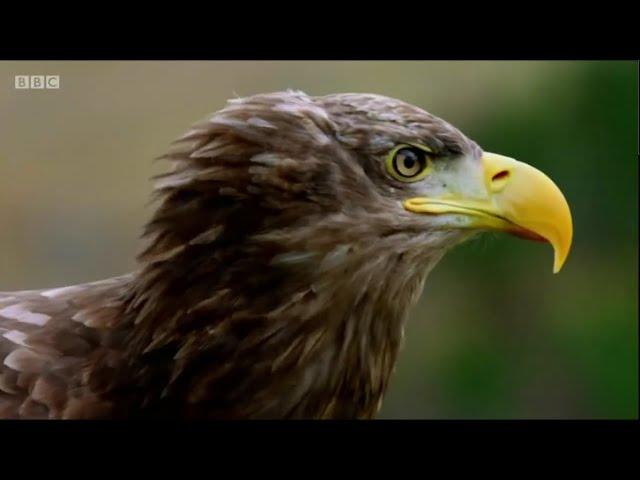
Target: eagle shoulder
(49, 340)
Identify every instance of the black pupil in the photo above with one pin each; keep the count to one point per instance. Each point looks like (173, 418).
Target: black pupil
(409, 162)
(408, 159)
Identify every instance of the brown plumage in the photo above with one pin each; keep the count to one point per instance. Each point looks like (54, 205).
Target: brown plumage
(277, 278)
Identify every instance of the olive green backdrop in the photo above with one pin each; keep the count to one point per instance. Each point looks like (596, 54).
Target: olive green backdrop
(495, 335)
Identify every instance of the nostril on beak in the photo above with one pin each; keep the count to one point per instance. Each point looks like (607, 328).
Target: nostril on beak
(500, 175)
(499, 180)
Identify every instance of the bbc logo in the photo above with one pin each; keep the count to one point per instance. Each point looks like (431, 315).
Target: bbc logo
(37, 82)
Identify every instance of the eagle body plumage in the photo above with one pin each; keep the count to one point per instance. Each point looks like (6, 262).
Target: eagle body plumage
(279, 271)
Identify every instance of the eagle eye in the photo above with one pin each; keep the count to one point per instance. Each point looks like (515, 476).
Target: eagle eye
(409, 163)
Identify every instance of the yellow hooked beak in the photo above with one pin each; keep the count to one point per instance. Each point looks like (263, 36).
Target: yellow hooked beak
(520, 200)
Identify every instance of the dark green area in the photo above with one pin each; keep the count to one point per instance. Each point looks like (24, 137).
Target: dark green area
(512, 339)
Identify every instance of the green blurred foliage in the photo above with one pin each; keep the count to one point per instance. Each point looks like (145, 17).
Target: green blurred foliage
(548, 347)
(495, 334)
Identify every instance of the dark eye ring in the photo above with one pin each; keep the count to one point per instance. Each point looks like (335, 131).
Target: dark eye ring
(408, 163)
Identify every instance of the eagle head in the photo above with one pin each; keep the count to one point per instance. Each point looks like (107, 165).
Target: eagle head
(293, 234)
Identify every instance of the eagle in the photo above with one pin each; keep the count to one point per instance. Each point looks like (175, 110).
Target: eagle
(291, 236)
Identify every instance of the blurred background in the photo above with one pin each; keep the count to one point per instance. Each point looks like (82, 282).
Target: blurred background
(495, 335)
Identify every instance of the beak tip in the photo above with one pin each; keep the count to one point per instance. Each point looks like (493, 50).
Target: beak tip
(559, 260)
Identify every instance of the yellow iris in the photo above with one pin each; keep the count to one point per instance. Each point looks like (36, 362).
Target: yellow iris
(409, 162)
